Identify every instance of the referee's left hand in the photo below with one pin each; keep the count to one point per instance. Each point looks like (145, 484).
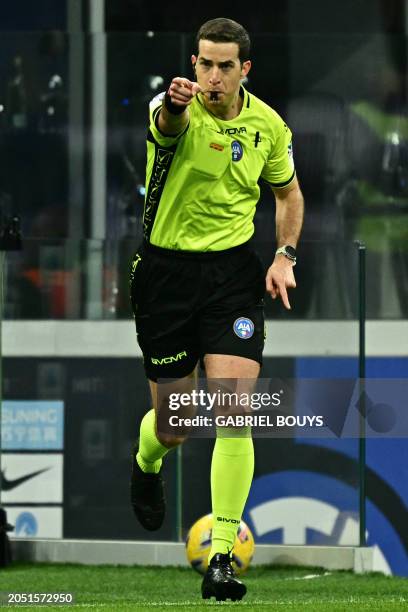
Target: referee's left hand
(279, 278)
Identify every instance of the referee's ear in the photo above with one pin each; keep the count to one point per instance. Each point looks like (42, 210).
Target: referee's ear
(193, 62)
(245, 68)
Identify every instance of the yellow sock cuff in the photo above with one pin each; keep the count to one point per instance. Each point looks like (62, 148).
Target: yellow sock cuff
(234, 432)
(151, 450)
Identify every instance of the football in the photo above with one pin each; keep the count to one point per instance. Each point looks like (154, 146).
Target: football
(198, 545)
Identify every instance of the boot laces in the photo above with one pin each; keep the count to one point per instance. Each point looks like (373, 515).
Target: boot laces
(226, 561)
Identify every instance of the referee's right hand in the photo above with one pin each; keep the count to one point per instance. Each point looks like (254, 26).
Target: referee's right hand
(182, 91)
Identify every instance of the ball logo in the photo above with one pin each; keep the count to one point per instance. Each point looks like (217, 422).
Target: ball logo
(244, 328)
(237, 150)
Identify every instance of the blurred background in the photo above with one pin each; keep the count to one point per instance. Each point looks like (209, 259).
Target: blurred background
(75, 81)
(76, 77)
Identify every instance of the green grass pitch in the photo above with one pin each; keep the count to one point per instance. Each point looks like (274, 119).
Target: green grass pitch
(146, 588)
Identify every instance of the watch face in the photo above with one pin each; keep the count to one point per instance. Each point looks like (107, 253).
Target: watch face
(290, 251)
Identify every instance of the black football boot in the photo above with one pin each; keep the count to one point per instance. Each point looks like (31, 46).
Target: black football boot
(220, 582)
(147, 496)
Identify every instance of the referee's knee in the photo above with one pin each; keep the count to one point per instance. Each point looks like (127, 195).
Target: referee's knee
(169, 440)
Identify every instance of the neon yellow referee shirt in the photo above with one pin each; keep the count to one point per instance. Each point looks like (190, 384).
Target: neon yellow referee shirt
(202, 185)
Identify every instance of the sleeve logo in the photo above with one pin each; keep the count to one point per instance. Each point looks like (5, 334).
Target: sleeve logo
(290, 150)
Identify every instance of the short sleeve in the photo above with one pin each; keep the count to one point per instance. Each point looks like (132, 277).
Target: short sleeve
(279, 169)
(154, 109)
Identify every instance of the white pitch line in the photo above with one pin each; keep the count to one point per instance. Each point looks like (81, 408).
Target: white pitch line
(309, 576)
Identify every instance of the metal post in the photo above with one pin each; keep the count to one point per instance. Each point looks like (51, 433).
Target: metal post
(98, 118)
(76, 136)
(362, 374)
(97, 159)
(76, 154)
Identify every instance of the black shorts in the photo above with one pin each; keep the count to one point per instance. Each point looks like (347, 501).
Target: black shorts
(189, 304)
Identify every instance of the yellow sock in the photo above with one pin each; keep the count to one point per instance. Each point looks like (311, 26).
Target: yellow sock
(232, 470)
(151, 450)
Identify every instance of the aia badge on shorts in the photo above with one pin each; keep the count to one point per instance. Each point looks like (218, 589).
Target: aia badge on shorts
(237, 150)
(244, 328)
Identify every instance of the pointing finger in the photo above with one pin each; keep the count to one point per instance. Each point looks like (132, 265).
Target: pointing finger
(284, 296)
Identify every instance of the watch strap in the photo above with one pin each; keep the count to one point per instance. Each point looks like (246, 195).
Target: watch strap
(283, 250)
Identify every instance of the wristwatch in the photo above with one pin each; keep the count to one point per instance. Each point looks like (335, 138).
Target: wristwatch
(288, 251)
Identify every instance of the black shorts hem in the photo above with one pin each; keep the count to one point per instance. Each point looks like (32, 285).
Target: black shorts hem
(230, 353)
(158, 374)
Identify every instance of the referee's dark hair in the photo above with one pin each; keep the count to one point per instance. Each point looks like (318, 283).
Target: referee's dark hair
(226, 30)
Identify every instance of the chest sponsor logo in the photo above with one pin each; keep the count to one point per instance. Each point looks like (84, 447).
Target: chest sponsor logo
(232, 131)
(237, 151)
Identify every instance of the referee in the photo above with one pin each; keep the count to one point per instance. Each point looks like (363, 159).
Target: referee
(197, 287)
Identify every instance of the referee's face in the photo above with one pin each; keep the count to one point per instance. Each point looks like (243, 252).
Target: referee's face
(219, 70)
